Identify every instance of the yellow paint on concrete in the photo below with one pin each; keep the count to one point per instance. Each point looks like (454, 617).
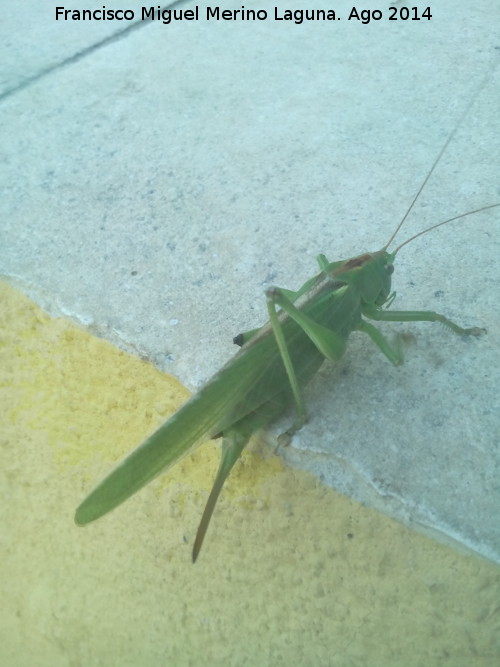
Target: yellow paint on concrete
(291, 573)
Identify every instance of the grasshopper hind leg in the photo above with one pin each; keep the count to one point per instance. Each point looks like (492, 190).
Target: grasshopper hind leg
(232, 446)
(234, 440)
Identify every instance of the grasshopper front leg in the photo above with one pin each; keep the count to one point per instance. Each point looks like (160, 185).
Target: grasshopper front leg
(394, 352)
(420, 316)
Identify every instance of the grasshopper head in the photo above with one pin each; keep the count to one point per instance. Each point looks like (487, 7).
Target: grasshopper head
(384, 262)
(371, 274)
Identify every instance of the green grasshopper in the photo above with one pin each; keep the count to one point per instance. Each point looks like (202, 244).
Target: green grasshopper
(275, 361)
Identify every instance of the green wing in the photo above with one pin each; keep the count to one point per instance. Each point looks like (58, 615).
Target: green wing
(236, 390)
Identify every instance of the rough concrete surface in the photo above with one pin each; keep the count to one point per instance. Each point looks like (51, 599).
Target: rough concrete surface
(155, 181)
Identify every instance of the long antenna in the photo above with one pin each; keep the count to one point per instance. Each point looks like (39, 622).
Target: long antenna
(440, 155)
(440, 224)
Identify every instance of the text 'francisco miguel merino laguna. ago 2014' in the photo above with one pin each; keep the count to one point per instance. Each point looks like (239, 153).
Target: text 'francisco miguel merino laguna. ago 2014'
(298, 16)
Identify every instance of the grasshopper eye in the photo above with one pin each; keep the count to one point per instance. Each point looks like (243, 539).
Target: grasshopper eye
(390, 268)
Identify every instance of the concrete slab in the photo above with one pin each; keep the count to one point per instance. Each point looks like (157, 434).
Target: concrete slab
(153, 188)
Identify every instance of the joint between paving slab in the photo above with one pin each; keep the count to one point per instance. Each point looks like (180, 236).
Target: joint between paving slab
(76, 57)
